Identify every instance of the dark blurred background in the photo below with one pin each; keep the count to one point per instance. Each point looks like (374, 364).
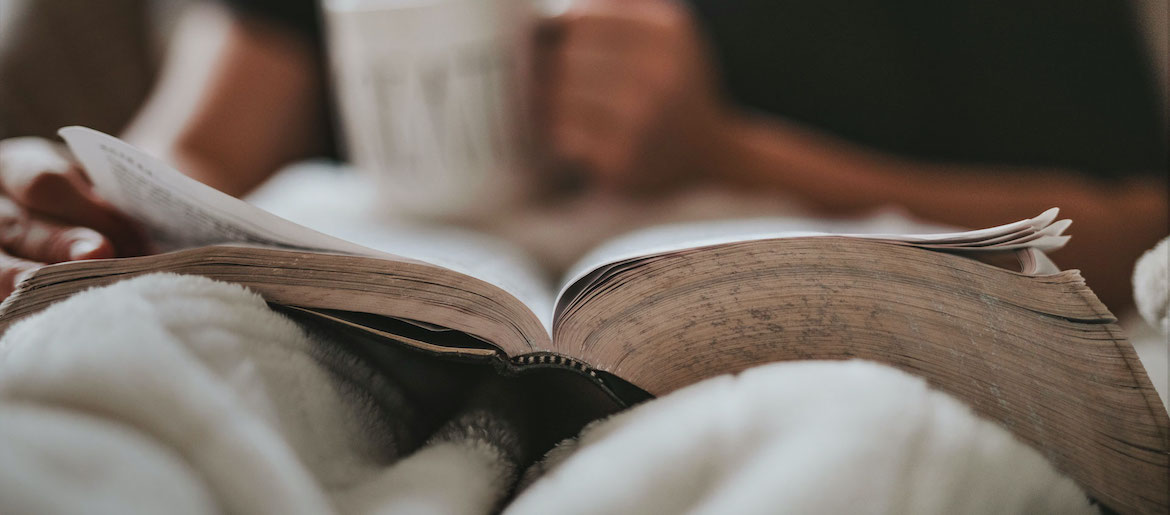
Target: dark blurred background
(66, 62)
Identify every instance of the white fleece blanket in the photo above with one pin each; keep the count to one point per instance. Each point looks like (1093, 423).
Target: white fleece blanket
(1151, 286)
(183, 395)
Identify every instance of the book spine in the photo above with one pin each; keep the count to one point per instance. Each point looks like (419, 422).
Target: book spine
(551, 360)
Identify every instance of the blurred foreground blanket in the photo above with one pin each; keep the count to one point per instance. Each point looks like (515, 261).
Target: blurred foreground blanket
(1151, 286)
(183, 395)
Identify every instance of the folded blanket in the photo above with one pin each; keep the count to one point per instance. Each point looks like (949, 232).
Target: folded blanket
(183, 395)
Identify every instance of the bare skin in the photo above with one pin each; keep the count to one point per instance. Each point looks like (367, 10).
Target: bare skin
(630, 97)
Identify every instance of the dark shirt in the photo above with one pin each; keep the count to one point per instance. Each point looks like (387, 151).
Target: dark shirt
(1023, 82)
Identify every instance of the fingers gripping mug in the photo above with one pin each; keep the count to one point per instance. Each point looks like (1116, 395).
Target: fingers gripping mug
(433, 100)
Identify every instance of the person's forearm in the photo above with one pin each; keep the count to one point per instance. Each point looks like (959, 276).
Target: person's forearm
(237, 99)
(263, 109)
(192, 51)
(1114, 222)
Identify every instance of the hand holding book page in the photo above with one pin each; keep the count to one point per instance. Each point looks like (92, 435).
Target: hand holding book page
(180, 212)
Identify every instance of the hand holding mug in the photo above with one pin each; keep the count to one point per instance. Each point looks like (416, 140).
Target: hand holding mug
(629, 92)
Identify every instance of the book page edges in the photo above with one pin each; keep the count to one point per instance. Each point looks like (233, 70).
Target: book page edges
(425, 292)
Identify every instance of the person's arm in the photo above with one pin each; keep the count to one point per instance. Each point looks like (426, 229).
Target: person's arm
(238, 98)
(1114, 222)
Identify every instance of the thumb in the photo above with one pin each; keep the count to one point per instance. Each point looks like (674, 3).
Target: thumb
(73, 244)
(30, 237)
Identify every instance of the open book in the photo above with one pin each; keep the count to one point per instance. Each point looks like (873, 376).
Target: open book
(647, 314)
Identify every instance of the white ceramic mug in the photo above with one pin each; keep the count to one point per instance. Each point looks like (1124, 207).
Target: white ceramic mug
(434, 100)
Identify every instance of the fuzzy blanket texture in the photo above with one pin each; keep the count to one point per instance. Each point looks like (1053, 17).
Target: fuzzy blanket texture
(1151, 286)
(179, 394)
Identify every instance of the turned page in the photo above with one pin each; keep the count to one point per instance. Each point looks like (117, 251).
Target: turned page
(180, 212)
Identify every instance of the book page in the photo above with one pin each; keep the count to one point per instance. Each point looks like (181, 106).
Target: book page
(1041, 233)
(477, 255)
(338, 202)
(180, 212)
